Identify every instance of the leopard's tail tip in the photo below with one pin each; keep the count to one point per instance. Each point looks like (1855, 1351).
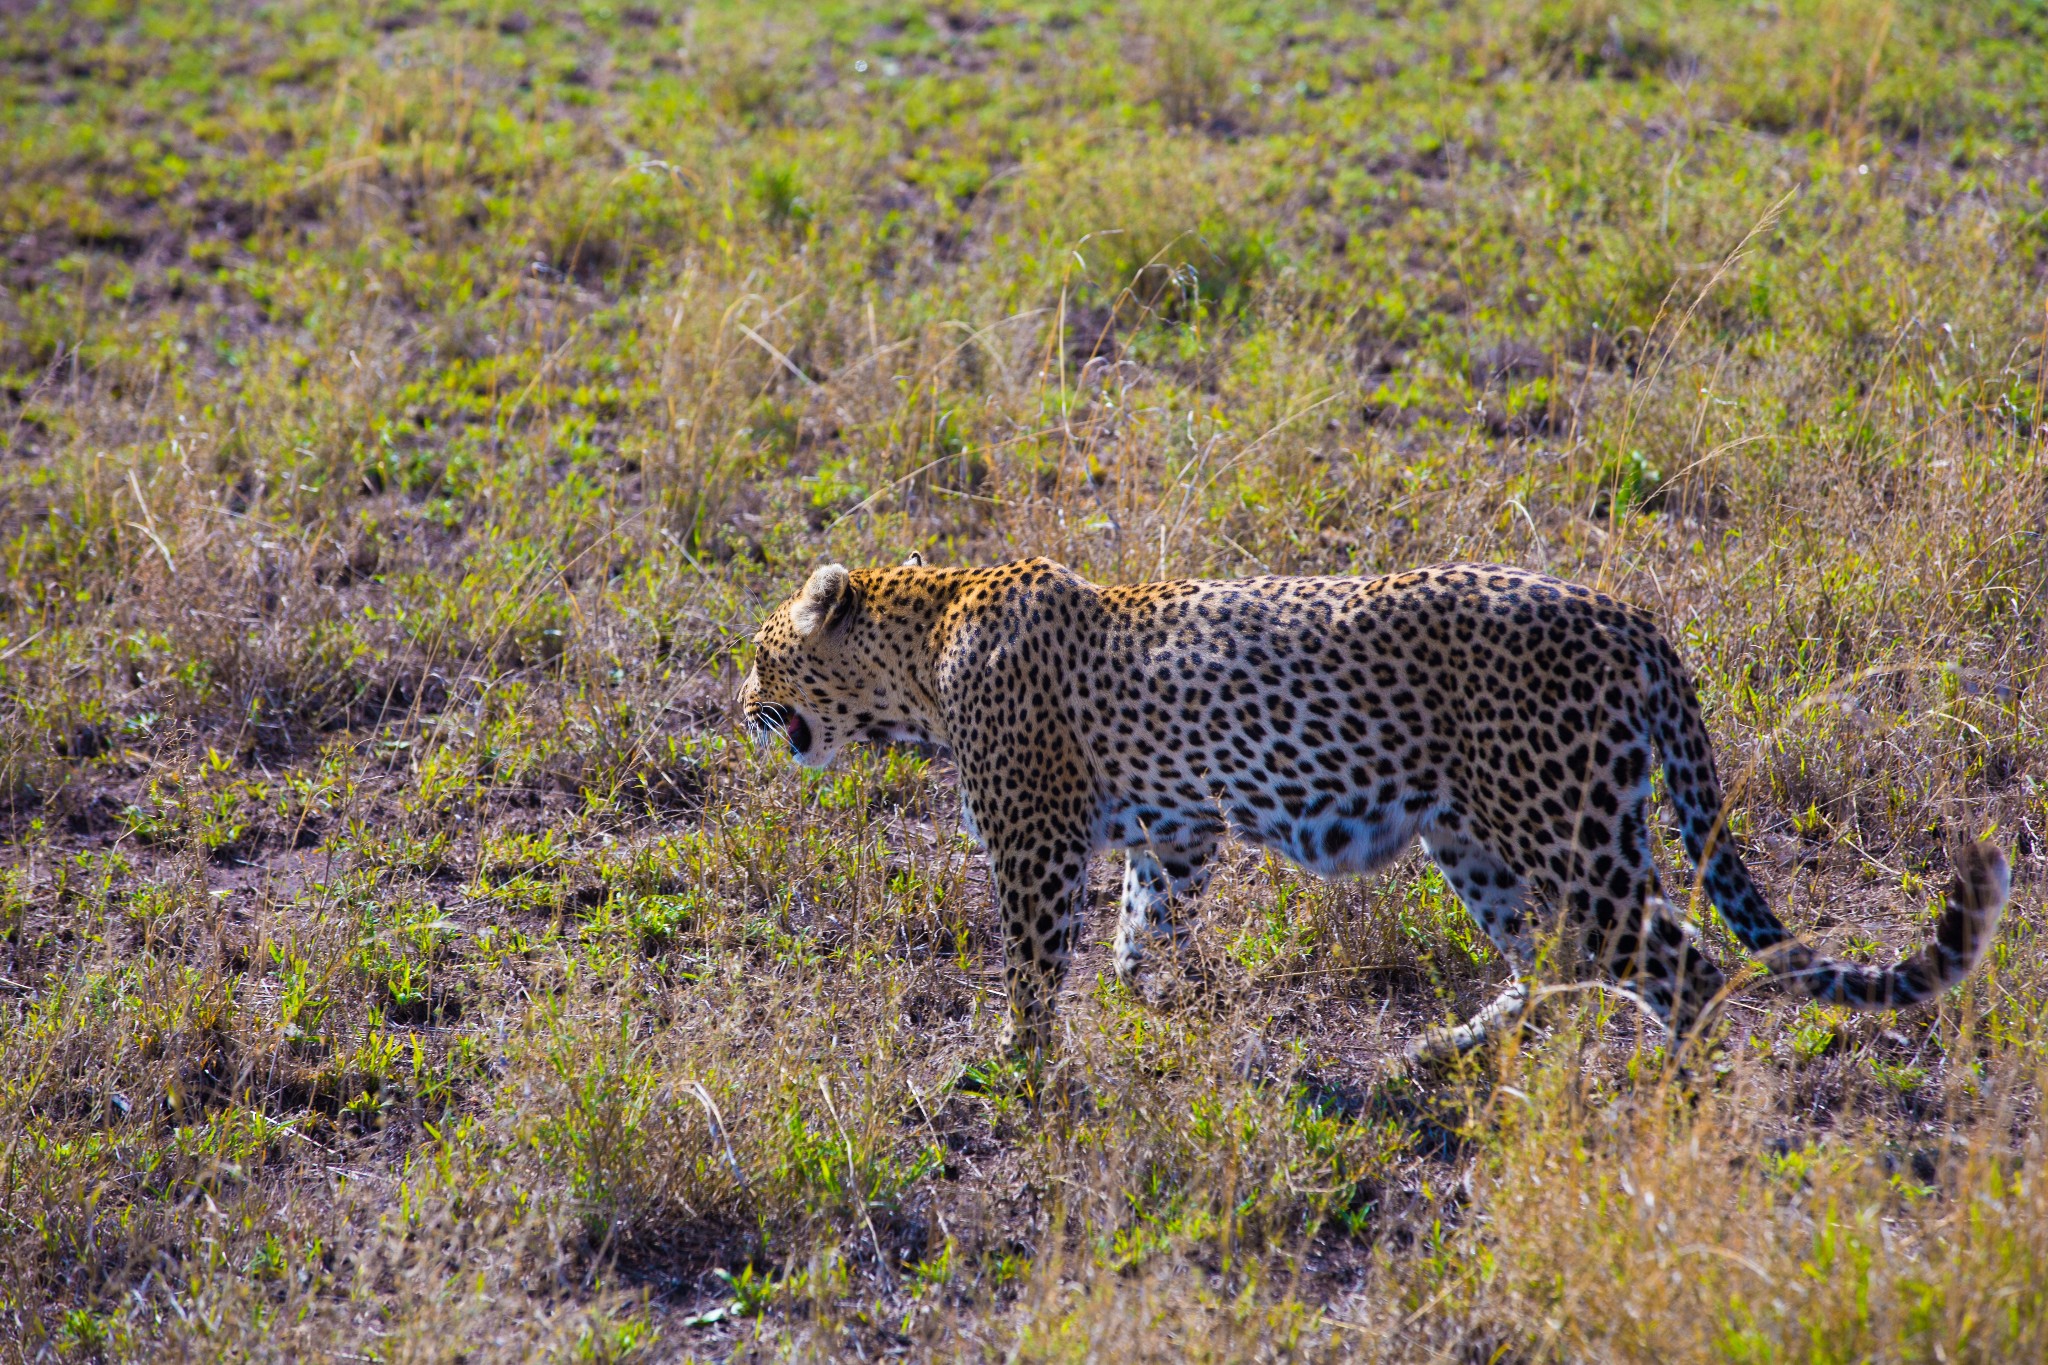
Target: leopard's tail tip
(1972, 905)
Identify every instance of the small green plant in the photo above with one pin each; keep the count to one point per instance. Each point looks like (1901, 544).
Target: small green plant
(495, 943)
(269, 1262)
(365, 1110)
(831, 1170)
(936, 1273)
(1625, 484)
(1006, 1268)
(1903, 1078)
(752, 1290)
(162, 820)
(84, 1333)
(300, 1011)
(1006, 1082)
(444, 780)
(15, 901)
(400, 851)
(778, 190)
(612, 1341)
(223, 821)
(508, 856)
(658, 922)
(1432, 917)
(399, 953)
(1816, 1035)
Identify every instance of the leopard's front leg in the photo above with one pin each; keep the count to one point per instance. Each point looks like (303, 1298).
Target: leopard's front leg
(1041, 888)
(1032, 799)
(1030, 788)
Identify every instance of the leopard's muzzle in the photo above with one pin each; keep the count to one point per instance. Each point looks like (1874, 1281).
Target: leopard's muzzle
(775, 718)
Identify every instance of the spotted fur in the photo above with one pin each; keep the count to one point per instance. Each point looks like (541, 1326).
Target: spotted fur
(1505, 719)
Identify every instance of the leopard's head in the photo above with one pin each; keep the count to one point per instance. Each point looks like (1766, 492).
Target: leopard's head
(828, 668)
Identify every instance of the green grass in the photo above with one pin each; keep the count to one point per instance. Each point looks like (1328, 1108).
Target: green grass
(407, 412)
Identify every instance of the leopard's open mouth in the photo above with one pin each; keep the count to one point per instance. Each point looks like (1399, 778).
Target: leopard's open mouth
(786, 722)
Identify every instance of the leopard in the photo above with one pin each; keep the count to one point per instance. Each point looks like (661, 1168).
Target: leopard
(1507, 721)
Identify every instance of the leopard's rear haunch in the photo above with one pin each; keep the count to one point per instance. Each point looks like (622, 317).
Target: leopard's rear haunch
(1507, 720)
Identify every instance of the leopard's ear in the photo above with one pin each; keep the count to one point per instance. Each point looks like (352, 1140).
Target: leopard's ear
(825, 600)
(913, 561)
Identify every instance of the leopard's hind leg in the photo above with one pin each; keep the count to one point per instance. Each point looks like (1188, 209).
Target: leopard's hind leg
(1498, 899)
(1661, 963)
(1616, 908)
(1160, 880)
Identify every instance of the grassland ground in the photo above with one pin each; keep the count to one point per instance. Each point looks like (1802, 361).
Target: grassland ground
(407, 411)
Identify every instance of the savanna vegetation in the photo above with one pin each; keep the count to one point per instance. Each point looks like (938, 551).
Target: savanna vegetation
(407, 412)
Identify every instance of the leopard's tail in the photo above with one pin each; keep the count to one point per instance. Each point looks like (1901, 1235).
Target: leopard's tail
(1969, 918)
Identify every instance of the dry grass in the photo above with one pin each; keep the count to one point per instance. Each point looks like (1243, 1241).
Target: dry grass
(408, 411)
